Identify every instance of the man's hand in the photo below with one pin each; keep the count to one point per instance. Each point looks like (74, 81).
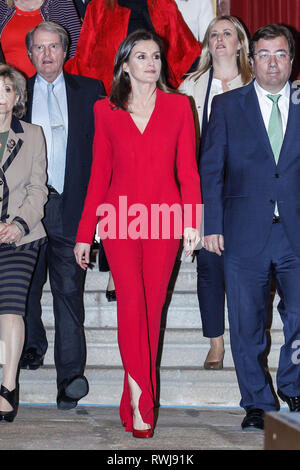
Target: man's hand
(214, 243)
(82, 254)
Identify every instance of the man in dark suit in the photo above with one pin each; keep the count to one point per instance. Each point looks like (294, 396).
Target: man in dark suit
(81, 7)
(250, 170)
(63, 105)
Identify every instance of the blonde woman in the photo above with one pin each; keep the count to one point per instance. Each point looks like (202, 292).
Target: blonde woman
(224, 65)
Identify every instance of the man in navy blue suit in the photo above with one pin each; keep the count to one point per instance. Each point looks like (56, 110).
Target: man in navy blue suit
(250, 173)
(63, 105)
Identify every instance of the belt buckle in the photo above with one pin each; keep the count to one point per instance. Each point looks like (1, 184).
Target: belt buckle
(276, 219)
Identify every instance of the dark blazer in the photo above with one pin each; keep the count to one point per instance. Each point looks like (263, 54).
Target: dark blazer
(240, 179)
(82, 93)
(81, 7)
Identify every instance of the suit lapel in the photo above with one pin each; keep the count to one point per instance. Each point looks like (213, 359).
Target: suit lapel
(291, 128)
(200, 94)
(13, 145)
(30, 87)
(73, 102)
(252, 112)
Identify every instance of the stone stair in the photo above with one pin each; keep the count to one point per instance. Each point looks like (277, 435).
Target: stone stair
(183, 381)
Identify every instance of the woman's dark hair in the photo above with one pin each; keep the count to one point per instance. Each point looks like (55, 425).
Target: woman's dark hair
(272, 31)
(19, 86)
(121, 86)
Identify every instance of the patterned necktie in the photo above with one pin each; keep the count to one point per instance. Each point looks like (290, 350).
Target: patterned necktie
(275, 131)
(57, 157)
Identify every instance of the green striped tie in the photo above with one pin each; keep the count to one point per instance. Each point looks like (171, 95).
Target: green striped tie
(275, 131)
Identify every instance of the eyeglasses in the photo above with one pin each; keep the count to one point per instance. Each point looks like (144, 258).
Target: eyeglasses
(281, 56)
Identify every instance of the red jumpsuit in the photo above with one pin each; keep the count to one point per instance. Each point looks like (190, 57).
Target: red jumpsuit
(142, 168)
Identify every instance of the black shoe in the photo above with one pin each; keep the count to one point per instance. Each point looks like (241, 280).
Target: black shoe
(77, 388)
(253, 420)
(70, 391)
(111, 295)
(64, 402)
(12, 398)
(31, 360)
(293, 402)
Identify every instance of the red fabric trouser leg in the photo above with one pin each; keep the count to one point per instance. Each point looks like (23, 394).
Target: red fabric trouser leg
(141, 270)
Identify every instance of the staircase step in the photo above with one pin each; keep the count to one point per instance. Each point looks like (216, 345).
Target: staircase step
(182, 301)
(181, 311)
(184, 387)
(183, 380)
(183, 348)
(197, 387)
(183, 278)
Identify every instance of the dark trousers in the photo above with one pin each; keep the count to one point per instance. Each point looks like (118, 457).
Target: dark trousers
(248, 282)
(211, 292)
(67, 283)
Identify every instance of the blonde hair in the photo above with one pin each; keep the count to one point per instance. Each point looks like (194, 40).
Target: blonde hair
(242, 58)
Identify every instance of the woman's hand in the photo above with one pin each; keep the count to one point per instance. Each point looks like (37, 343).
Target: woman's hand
(2, 227)
(191, 239)
(82, 254)
(10, 233)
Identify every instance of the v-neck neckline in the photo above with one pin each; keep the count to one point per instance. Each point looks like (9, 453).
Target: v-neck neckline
(150, 118)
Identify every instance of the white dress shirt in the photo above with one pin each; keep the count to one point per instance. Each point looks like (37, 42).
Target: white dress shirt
(197, 14)
(266, 104)
(40, 113)
(215, 89)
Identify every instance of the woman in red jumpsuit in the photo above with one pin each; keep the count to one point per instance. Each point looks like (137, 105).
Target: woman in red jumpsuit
(143, 136)
(106, 24)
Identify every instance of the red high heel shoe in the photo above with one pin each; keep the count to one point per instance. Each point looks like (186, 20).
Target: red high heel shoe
(142, 433)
